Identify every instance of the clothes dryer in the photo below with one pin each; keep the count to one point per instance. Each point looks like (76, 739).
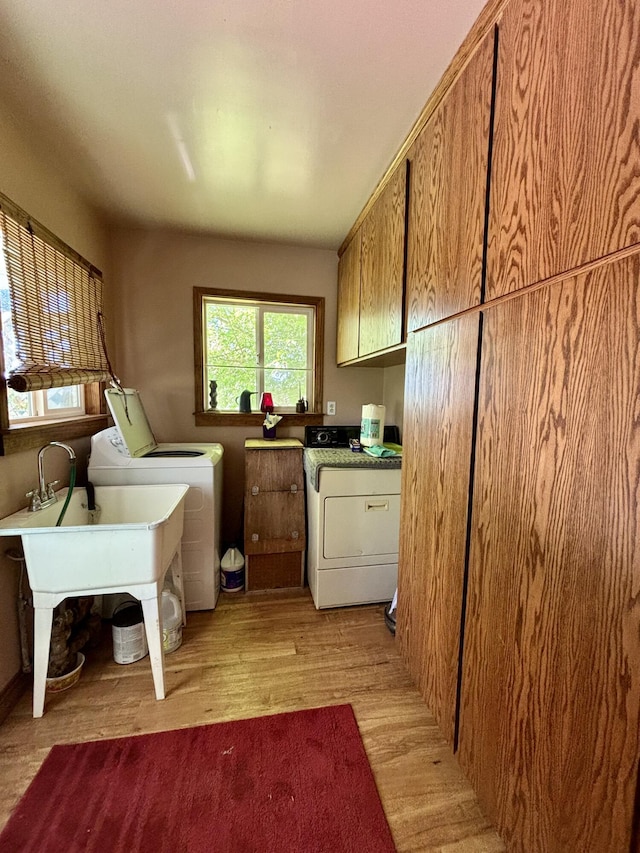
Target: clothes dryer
(127, 454)
(353, 519)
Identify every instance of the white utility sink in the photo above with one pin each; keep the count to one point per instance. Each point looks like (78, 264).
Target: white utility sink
(135, 536)
(133, 540)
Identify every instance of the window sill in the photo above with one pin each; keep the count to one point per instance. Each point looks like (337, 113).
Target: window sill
(289, 419)
(19, 438)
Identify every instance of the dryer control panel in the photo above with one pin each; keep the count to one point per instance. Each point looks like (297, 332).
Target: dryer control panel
(339, 436)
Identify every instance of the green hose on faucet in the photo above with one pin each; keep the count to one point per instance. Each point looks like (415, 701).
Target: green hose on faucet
(72, 482)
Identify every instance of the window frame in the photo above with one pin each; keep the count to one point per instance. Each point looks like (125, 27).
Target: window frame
(42, 412)
(16, 438)
(207, 417)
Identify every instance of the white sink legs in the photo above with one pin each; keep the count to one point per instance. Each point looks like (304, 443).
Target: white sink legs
(42, 622)
(150, 596)
(153, 629)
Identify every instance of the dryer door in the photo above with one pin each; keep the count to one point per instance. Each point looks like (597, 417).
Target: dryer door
(362, 525)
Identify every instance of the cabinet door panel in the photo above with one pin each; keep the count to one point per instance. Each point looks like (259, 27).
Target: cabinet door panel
(382, 268)
(551, 670)
(564, 180)
(349, 302)
(438, 422)
(273, 470)
(447, 198)
(274, 522)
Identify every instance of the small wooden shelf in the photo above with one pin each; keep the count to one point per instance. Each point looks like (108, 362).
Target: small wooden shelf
(274, 514)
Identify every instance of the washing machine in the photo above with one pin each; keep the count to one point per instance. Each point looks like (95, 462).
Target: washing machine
(128, 454)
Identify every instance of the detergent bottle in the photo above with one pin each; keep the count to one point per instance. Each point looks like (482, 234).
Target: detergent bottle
(232, 571)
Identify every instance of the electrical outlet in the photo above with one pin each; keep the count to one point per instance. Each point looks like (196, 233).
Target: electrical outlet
(331, 408)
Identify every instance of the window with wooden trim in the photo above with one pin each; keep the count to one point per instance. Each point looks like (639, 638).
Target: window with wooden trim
(255, 343)
(51, 356)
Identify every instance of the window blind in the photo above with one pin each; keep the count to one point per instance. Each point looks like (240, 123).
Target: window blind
(56, 303)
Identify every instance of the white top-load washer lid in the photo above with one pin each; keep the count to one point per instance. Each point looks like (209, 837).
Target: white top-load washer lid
(109, 452)
(131, 421)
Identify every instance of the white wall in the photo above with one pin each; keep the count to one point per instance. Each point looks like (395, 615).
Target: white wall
(154, 275)
(393, 395)
(27, 179)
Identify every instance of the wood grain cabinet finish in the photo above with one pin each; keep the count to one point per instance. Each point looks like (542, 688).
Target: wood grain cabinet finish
(565, 185)
(274, 522)
(549, 726)
(349, 302)
(274, 514)
(440, 377)
(447, 200)
(382, 268)
(277, 469)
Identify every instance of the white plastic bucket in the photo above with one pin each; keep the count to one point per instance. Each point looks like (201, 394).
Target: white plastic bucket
(232, 571)
(171, 621)
(127, 629)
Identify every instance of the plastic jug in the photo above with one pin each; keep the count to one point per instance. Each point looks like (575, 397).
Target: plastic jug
(171, 621)
(232, 574)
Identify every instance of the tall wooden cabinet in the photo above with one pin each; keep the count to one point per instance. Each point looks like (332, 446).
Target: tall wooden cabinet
(274, 514)
(438, 429)
(550, 717)
(519, 575)
(519, 571)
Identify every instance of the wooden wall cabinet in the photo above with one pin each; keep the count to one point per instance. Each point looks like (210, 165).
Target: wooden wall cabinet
(382, 268)
(447, 202)
(274, 514)
(349, 301)
(550, 716)
(372, 270)
(564, 180)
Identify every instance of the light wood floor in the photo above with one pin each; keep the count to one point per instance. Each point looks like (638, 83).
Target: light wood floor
(262, 653)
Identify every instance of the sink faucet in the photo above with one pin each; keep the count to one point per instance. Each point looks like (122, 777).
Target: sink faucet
(44, 495)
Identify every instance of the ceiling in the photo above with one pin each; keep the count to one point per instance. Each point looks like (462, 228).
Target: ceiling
(259, 119)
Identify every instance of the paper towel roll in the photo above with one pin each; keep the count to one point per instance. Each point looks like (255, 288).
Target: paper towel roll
(372, 425)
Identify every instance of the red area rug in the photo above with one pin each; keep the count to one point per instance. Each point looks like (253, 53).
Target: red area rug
(291, 783)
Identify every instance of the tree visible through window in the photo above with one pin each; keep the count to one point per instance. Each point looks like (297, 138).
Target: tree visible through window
(257, 344)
